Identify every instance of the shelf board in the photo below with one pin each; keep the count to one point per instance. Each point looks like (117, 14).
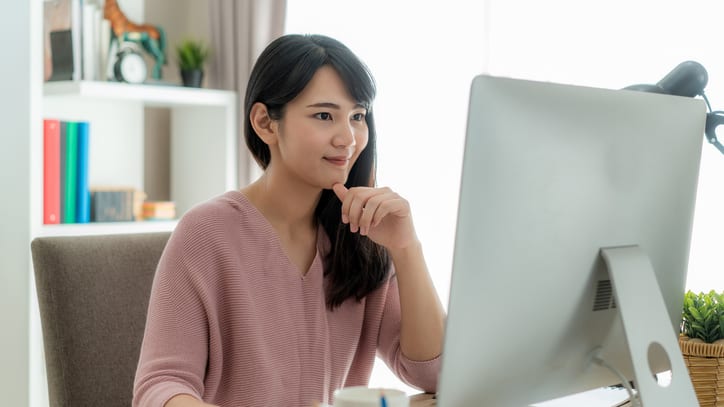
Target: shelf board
(158, 95)
(106, 228)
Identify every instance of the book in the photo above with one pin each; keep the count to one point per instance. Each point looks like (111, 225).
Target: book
(76, 29)
(139, 197)
(62, 56)
(63, 139)
(104, 39)
(70, 171)
(159, 210)
(112, 204)
(58, 54)
(82, 200)
(90, 41)
(51, 171)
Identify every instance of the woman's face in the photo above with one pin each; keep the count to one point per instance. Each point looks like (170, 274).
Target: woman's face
(322, 132)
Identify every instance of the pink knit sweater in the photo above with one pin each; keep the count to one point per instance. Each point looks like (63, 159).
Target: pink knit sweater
(233, 322)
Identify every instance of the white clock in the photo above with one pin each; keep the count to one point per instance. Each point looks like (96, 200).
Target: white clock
(130, 67)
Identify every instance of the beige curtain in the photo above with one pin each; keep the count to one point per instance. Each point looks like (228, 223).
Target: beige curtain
(240, 29)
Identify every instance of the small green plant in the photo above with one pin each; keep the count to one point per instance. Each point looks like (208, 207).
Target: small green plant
(191, 55)
(703, 316)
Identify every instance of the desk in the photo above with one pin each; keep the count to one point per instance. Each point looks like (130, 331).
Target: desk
(422, 400)
(600, 397)
(418, 400)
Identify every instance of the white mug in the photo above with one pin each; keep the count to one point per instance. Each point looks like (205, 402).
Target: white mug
(361, 396)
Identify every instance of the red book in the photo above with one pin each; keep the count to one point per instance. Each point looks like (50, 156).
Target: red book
(51, 171)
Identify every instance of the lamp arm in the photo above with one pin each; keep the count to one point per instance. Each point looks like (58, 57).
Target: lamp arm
(714, 120)
(688, 79)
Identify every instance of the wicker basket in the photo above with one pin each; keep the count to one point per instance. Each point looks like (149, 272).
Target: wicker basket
(705, 362)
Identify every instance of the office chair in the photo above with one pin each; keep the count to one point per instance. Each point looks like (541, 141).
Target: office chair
(93, 294)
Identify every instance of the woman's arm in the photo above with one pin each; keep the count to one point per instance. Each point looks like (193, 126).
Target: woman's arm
(184, 400)
(385, 217)
(422, 317)
(174, 352)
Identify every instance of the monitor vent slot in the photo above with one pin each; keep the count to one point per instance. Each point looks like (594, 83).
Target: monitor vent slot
(604, 296)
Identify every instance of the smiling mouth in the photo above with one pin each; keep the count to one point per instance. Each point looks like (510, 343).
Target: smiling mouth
(338, 161)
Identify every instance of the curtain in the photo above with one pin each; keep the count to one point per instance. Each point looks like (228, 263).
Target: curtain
(240, 30)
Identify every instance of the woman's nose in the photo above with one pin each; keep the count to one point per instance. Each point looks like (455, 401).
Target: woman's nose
(344, 136)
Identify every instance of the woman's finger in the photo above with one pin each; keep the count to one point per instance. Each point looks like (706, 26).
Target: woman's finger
(397, 206)
(372, 207)
(354, 201)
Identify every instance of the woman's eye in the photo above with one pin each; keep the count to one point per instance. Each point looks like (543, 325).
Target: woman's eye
(323, 116)
(358, 117)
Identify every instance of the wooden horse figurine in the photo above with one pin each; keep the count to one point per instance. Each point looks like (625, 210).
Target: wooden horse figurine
(151, 38)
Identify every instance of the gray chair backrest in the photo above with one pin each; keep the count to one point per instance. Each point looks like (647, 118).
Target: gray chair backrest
(93, 294)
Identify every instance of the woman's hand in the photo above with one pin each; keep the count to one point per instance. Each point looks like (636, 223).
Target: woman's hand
(385, 217)
(378, 213)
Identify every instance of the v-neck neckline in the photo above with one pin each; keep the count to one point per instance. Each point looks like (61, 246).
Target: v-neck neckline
(304, 276)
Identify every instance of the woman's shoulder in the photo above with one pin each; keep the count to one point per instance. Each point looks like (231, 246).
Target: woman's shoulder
(220, 215)
(230, 206)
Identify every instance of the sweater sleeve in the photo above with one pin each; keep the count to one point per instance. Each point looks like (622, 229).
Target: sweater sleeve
(419, 374)
(174, 352)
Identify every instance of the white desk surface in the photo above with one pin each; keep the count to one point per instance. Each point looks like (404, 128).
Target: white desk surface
(605, 397)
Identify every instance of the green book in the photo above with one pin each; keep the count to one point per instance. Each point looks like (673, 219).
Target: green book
(71, 161)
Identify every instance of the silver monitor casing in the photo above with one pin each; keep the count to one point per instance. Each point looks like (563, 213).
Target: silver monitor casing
(551, 175)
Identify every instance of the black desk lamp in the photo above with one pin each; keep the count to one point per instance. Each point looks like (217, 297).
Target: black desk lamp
(688, 79)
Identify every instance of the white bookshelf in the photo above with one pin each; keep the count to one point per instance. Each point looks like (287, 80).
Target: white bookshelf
(203, 133)
(149, 94)
(203, 160)
(106, 228)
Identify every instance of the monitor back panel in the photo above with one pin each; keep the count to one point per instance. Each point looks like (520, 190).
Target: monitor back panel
(551, 174)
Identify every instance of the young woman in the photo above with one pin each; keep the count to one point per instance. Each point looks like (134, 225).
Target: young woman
(283, 292)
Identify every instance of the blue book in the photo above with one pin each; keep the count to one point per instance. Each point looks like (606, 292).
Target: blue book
(83, 197)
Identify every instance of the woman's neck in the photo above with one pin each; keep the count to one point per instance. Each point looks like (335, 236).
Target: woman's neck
(287, 207)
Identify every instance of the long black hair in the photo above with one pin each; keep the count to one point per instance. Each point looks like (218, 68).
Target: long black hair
(355, 264)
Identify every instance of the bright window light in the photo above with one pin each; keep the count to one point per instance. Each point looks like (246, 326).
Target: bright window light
(424, 55)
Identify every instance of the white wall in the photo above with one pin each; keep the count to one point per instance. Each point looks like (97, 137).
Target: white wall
(424, 54)
(180, 19)
(617, 43)
(423, 63)
(18, 110)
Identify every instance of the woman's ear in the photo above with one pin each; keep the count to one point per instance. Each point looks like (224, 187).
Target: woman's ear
(263, 124)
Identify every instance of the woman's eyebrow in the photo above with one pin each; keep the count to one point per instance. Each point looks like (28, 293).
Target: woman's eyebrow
(331, 105)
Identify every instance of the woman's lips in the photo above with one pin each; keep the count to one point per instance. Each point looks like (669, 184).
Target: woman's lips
(338, 161)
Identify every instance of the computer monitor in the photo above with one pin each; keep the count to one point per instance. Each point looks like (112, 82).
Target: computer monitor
(576, 208)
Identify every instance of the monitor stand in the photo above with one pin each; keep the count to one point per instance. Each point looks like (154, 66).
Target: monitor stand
(646, 322)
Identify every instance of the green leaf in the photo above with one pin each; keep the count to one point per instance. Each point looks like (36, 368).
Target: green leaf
(191, 54)
(702, 315)
(695, 313)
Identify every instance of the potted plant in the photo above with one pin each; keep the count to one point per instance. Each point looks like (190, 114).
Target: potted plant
(192, 55)
(702, 344)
